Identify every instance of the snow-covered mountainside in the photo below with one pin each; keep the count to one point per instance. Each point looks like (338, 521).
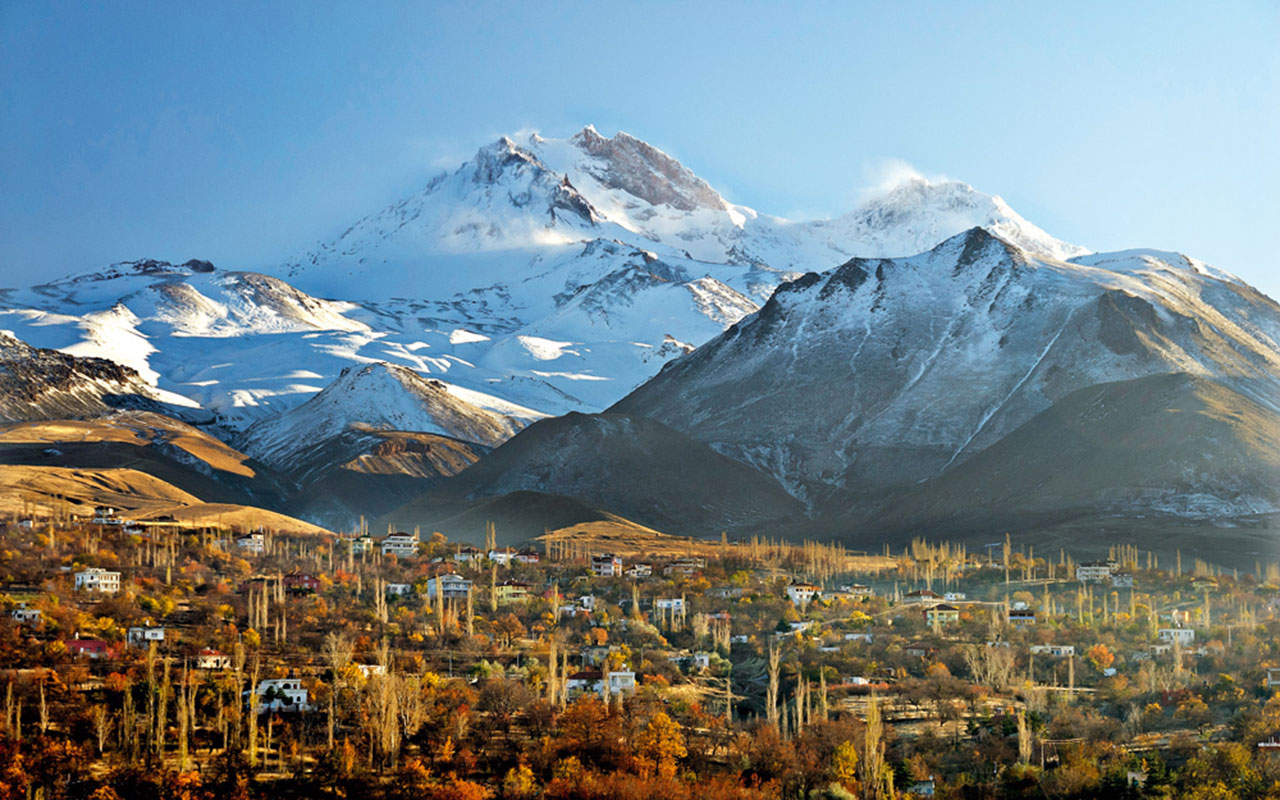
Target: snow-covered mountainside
(376, 396)
(38, 384)
(545, 275)
(885, 373)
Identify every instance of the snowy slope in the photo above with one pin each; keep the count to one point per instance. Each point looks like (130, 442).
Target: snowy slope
(887, 372)
(39, 384)
(378, 396)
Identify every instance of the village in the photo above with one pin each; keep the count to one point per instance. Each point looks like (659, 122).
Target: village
(146, 660)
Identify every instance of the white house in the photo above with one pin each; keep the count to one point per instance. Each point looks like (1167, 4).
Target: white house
(452, 587)
(105, 515)
(1095, 571)
(143, 635)
(399, 589)
(1179, 635)
(686, 565)
(639, 570)
(606, 565)
(25, 615)
(253, 543)
(1122, 580)
(802, 594)
(400, 544)
(280, 694)
(96, 579)
(502, 557)
(1055, 650)
(675, 604)
(621, 682)
(955, 597)
(1273, 677)
(361, 544)
(209, 658)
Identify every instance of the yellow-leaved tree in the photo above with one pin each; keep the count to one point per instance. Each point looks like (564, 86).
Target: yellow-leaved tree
(659, 746)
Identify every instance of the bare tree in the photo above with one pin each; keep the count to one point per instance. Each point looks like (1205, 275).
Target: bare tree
(337, 650)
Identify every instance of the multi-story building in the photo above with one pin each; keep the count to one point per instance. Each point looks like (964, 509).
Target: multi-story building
(1179, 635)
(1095, 571)
(400, 544)
(253, 543)
(144, 635)
(801, 594)
(452, 587)
(280, 694)
(606, 565)
(511, 592)
(942, 614)
(96, 579)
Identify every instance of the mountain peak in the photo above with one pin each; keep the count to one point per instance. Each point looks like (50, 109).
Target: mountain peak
(924, 212)
(642, 170)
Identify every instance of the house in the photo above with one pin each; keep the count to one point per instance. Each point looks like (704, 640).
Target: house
(280, 694)
(955, 597)
(96, 579)
(639, 571)
(468, 555)
(587, 602)
(1122, 580)
(942, 614)
(672, 604)
(144, 635)
(1179, 635)
(1273, 677)
(921, 649)
(368, 671)
(1055, 650)
(858, 637)
(452, 587)
(606, 565)
(691, 662)
(502, 557)
(1022, 616)
(361, 544)
(527, 557)
(801, 626)
(95, 649)
(687, 565)
(1095, 571)
(801, 594)
(400, 544)
(399, 589)
(105, 515)
(300, 583)
(511, 592)
(725, 592)
(209, 658)
(739, 638)
(252, 543)
(923, 788)
(858, 589)
(621, 682)
(25, 615)
(922, 597)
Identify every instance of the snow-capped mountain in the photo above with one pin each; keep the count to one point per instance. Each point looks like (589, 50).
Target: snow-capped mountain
(378, 396)
(544, 275)
(885, 373)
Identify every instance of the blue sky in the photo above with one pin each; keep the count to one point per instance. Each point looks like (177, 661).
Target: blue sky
(243, 133)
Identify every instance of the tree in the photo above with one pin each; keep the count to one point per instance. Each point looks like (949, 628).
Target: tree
(1100, 656)
(659, 746)
(844, 765)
